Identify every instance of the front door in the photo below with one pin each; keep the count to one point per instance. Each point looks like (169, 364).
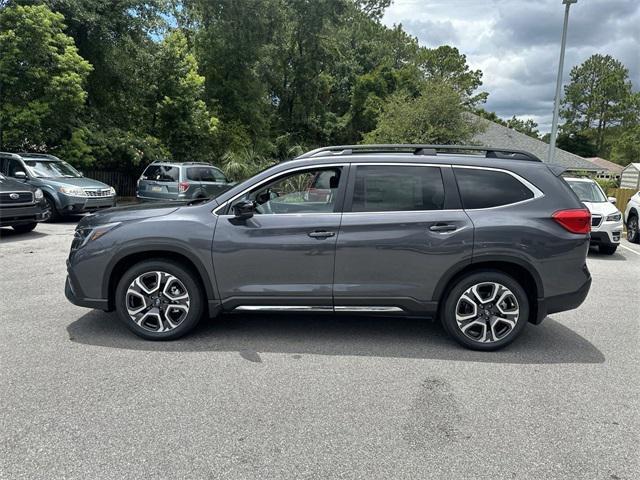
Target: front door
(401, 232)
(283, 256)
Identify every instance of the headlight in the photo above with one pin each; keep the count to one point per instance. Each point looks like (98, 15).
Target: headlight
(112, 192)
(38, 194)
(73, 191)
(614, 217)
(84, 235)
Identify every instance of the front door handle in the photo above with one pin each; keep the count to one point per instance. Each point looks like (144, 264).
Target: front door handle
(443, 227)
(321, 234)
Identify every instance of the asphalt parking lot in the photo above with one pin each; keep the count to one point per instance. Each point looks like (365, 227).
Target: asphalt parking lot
(291, 397)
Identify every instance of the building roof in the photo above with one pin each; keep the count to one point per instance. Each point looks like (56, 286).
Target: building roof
(499, 136)
(606, 164)
(634, 165)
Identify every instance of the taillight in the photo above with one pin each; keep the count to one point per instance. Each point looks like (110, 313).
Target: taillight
(577, 220)
(183, 187)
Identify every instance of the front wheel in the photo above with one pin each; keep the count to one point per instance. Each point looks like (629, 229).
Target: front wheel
(25, 227)
(159, 300)
(633, 232)
(53, 211)
(485, 310)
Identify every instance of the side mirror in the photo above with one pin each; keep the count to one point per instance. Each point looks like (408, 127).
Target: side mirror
(244, 209)
(20, 175)
(81, 174)
(612, 200)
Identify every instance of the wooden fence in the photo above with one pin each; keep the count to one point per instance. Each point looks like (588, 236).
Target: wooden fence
(622, 196)
(124, 183)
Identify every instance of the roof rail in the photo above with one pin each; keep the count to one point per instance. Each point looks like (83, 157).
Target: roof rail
(10, 155)
(418, 149)
(38, 155)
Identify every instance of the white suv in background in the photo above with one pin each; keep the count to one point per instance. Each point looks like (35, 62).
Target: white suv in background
(631, 216)
(606, 219)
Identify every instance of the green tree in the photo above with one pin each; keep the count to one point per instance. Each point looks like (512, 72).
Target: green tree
(448, 65)
(438, 115)
(528, 126)
(626, 148)
(597, 97)
(41, 79)
(182, 121)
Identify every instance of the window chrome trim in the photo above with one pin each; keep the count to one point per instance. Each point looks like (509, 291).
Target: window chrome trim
(275, 175)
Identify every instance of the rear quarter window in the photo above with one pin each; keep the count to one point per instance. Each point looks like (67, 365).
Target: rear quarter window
(489, 188)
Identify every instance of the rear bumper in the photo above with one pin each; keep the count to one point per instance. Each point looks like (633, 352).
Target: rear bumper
(10, 216)
(561, 303)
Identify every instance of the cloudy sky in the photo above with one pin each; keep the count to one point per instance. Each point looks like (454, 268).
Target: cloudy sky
(516, 43)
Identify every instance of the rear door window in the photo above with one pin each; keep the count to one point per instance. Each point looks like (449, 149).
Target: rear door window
(210, 174)
(193, 173)
(489, 188)
(162, 173)
(384, 188)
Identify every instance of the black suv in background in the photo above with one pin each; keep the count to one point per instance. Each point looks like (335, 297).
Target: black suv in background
(21, 205)
(487, 240)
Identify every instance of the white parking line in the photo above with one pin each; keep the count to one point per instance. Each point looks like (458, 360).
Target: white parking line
(630, 249)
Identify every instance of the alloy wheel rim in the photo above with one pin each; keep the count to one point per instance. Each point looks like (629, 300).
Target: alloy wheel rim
(632, 227)
(157, 301)
(487, 312)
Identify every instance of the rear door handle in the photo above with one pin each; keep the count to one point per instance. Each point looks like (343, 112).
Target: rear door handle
(443, 227)
(321, 234)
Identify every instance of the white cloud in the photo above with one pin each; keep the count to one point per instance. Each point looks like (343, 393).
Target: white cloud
(516, 43)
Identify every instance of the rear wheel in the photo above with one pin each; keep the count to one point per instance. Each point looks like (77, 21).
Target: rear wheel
(608, 249)
(633, 232)
(25, 227)
(485, 310)
(159, 300)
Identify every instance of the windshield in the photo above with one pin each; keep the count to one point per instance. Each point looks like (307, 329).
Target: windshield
(45, 168)
(587, 191)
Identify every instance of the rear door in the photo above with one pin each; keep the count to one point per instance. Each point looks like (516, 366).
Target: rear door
(402, 230)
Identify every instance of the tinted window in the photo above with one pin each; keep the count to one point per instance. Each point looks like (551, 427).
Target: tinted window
(193, 173)
(397, 188)
(162, 173)
(488, 188)
(211, 175)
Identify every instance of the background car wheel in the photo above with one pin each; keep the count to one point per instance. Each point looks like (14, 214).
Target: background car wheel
(51, 206)
(25, 227)
(608, 249)
(633, 232)
(485, 310)
(159, 300)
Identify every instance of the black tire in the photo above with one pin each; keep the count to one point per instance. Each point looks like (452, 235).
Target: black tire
(25, 227)
(633, 231)
(448, 311)
(54, 215)
(189, 280)
(608, 249)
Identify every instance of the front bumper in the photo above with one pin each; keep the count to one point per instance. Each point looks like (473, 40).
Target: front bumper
(73, 292)
(10, 216)
(606, 238)
(69, 204)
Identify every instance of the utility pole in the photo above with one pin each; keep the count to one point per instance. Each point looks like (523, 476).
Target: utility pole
(556, 105)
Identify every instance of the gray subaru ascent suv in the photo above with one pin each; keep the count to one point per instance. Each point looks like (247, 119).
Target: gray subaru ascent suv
(487, 240)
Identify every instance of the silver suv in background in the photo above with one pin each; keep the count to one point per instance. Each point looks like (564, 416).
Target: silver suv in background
(181, 181)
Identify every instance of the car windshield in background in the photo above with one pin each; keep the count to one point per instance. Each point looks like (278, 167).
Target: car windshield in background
(587, 191)
(46, 168)
(162, 173)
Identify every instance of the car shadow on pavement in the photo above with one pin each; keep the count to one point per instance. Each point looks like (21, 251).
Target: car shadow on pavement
(9, 235)
(617, 257)
(250, 335)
